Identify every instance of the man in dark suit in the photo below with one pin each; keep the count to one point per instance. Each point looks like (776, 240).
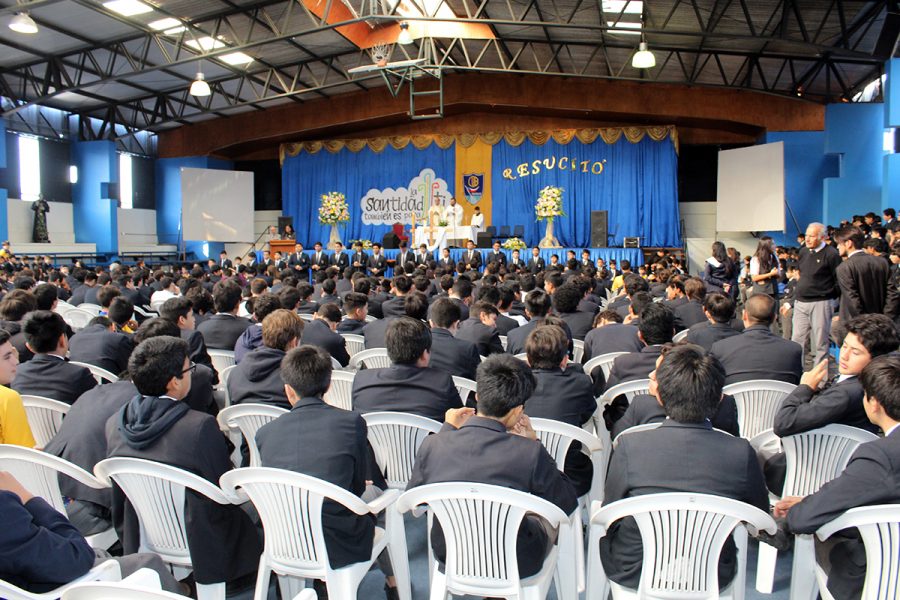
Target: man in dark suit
(50, 373)
(871, 477)
(691, 312)
(675, 295)
(565, 302)
(99, 344)
(300, 262)
(409, 384)
(322, 332)
(516, 263)
(403, 257)
(809, 407)
(481, 329)
(328, 443)
(155, 425)
(358, 261)
(645, 408)
(863, 278)
(224, 261)
(356, 309)
(461, 295)
(222, 330)
(376, 264)
(497, 446)
(537, 306)
(445, 262)
(719, 310)
(689, 386)
(395, 306)
(180, 311)
(561, 394)
(472, 257)
(415, 306)
(339, 259)
(491, 295)
(257, 378)
(536, 264)
(448, 353)
(319, 261)
(611, 335)
(305, 305)
(758, 353)
(656, 329)
(497, 256)
(423, 255)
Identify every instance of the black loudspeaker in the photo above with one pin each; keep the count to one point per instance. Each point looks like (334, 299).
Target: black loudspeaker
(599, 228)
(632, 242)
(390, 241)
(284, 222)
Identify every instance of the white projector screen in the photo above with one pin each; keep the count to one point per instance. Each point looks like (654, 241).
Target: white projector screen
(750, 190)
(216, 205)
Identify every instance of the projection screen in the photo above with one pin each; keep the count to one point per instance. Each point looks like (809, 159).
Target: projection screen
(217, 206)
(750, 190)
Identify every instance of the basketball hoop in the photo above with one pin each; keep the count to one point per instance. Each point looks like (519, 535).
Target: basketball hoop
(381, 54)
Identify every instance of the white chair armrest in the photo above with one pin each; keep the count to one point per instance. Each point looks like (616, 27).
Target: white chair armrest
(383, 501)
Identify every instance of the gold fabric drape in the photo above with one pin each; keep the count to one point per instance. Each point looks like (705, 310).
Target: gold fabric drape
(609, 135)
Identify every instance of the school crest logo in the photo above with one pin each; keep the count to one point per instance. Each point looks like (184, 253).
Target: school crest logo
(473, 187)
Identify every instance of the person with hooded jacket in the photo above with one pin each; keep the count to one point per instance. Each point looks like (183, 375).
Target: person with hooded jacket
(257, 378)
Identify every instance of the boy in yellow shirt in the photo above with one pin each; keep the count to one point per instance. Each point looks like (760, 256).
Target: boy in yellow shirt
(14, 427)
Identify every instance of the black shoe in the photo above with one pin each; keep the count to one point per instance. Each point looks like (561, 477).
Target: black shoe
(391, 593)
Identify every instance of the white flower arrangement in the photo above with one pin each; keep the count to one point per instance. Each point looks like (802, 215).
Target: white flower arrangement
(513, 243)
(333, 209)
(366, 244)
(549, 203)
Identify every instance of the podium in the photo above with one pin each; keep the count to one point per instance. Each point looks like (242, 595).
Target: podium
(284, 246)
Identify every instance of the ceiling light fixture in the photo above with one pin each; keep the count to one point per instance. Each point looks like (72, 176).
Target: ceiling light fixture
(23, 23)
(404, 38)
(127, 8)
(643, 58)
(200, 87)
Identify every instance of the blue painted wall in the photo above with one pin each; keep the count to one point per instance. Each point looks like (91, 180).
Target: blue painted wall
(805, 168)
(94, 213)
(855, 132)
(890, 191)
(168, 202)
(4, 193)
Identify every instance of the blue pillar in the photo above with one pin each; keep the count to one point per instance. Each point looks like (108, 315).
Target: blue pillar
(4, 193)
(890, 189)
(94, 212)
(168, 203)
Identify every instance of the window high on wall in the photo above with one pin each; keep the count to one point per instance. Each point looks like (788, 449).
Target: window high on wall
(29, 168)
(126, 193)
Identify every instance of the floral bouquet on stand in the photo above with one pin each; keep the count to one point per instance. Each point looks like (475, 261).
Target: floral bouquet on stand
(513, 243)
(547, 208)
(333, 210)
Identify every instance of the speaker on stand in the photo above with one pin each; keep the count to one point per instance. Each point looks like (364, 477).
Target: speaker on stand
(599, 228)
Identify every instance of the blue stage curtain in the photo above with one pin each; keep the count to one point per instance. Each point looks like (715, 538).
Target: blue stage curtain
(305, 177)
(638, 186)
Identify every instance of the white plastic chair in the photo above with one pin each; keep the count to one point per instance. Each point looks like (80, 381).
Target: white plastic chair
(681, 335)
(340, 394)
(146, 313)
(247, 419)
(221, 359)
(879, 527)
(758, 402)
(77, 318)
(480, 524)
(465, 387)
(395, 439)
(504, 341)
(157, 492)
(143, 584)
(374, 358)
(96, 309)
(336, 364)
(557, 436)
(307, 317)
(100, 374)
(682, 536)
(38, 472)
(813, 459)
(355, 343)
(523, 356)
(62, 308)
(224, 374)
(635, 429)
(577, 350)
(106, 571)
(45, 417)
(290, 507)
(604, 361)
(371, 319)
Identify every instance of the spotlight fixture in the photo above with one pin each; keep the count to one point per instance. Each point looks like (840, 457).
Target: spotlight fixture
(404, 38)
(23, 23)
(643, 58)
(200, 87)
